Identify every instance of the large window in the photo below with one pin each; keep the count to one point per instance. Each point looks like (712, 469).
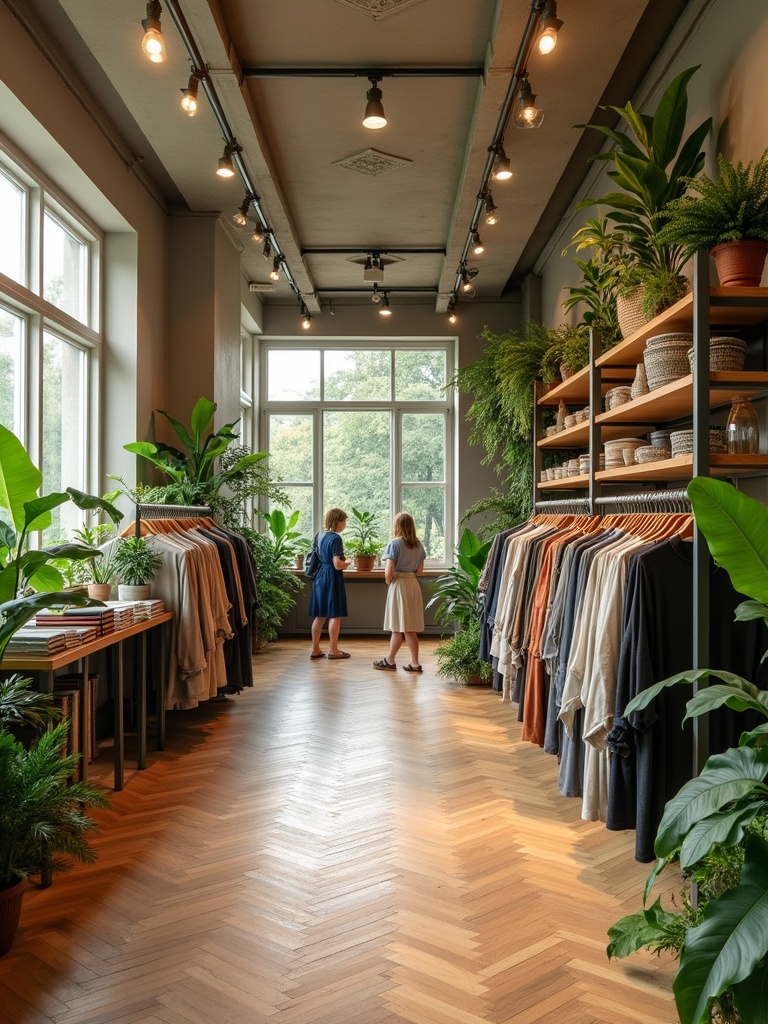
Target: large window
(49, 340)
(363, 427)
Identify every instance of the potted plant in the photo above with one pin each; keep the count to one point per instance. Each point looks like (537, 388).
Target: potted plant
(459, 657)
(96, 573)
(288, 543)
(364, 543)
(43, 823)
(597, 292)
(136, 564)
(455, 595)
(727, 215)
(722, 815)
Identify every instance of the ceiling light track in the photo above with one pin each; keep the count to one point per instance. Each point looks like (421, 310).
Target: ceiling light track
(340, 251)
(539, 10)
(231, 145)
(406, 289)
(379, 73)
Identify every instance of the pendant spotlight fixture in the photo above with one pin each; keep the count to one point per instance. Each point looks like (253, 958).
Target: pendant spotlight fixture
(452, 317)
(226, 168)
(502, 170)
(275, 271)
(384, 309)
(477, 244)
(153, 43)
(528, 114)
(306, 316)
(549, 26)
(189, 102)
(258, 234)
(374, 116)
(492, 215)
(331, 310)
(376, 294)
(241, 217)
(373, 269)
(266, 252)
(468, 276)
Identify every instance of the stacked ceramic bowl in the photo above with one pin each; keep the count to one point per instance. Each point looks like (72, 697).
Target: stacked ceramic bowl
(666, 358)
(614, 450)
(724, 354)
(682, 441)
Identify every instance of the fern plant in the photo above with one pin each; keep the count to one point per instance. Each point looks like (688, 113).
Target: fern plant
(729, 208)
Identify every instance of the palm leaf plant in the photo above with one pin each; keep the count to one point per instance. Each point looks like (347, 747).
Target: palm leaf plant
(286, 541)
(455, 596)
(724, 957)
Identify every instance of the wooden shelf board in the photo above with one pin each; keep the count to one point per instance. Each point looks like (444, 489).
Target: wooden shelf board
(680, 318)
(575, 390)
(569, 483)
(681, 468)
(571, 437)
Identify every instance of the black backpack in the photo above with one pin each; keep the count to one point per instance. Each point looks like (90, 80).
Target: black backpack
(312, 561)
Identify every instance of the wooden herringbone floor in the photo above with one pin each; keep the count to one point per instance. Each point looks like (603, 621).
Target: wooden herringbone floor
(339, 846)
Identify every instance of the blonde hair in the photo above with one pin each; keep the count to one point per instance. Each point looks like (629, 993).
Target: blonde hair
(404, 527)
(333, 517)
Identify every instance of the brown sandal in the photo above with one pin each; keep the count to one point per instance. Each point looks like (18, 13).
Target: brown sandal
(412, 668)
(338, 656)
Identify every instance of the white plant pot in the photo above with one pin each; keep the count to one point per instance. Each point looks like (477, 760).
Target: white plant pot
(126, 593)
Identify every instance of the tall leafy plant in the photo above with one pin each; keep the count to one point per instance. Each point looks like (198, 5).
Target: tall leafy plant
(725, 956)
(455, 595)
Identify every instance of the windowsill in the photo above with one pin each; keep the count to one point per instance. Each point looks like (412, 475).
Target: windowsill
(375, 574)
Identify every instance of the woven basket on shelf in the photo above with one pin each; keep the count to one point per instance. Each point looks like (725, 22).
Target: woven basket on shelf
(640, 383)
(617, 396)
(629, 311)
(682, 441)
(724, 354)
(662, 339)
(614, 450)
(660, 438)
(652, 453)
(666, 361)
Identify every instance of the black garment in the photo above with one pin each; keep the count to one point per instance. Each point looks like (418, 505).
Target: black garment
(243, 633)
(653, 756)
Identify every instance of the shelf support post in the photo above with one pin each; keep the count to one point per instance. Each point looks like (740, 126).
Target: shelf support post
(595, 404)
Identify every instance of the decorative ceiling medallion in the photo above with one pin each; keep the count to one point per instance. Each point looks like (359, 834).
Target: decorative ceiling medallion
(372, 162)
(379, 8)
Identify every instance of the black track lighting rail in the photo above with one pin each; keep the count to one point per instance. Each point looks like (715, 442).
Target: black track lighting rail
(537, 9)
(340, 251)
(406, 289)
(405, 72)
(231, 143)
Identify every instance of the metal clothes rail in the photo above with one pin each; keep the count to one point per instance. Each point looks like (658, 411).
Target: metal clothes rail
(144, 510)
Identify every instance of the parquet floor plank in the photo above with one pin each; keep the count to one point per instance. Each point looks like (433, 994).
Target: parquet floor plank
(339, 846)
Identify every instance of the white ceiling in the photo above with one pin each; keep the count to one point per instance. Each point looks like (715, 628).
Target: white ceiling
(294, 131)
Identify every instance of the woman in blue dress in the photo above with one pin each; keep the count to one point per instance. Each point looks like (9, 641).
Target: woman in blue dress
(329, 596)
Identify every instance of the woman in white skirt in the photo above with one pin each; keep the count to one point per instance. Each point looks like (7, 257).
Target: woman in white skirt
(404, 615)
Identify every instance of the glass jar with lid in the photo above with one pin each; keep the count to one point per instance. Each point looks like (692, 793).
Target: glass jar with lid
(742, 428)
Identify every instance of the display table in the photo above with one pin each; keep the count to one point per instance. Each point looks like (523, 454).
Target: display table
(113, 643)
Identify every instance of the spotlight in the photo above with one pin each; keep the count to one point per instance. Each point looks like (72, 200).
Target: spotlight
(376, 295)
(189, 102)
(502, 171)
(241, 217)
(452, 317)
(492, 215)
(266, 252)
(468, 276)
(374, 116)
(549, 26)
(373, 270)
(226, 168)
(477, 244)
(528, 114)
(153, 43)
(306, 317)
(258, 234)
(275, 271)
(384, 309)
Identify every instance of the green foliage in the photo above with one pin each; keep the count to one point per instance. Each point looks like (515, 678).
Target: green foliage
(363, 533)
(661, 289)
(597, 292)
(459, 657)
(729, 208)
(507, 510)
(641, 169)
(191, 469)
(722, 812)
(455, 595)
(135, 562)
(20, 705)
(286, 541)
(249, 485)
(275, 585)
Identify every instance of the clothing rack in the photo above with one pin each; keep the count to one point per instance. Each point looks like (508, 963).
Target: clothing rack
(145, 510)
(564, 506)
(649, 501)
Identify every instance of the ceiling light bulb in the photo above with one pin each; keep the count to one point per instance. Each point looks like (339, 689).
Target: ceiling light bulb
(189, 102)
(305, 323)
(502, 171)
(549, 27)
(258, 235)
(468, 288)
(384, 309)
(241, 217)
(275, 271)
(374, 116)
(153, 43)
(452, 318)
(492, 215)
(478, 248)
(528, 114)
(376, 294)
(226, 168)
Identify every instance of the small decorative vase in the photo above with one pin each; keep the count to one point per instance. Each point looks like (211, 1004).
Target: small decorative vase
(128, 593)
(742, 428)
(562, 412)
(640, 383)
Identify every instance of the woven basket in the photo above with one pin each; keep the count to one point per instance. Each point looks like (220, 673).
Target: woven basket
(617, 396)
(640, 383)
(665, 362)
(682, 441)
(660, 438)
(662, 339)
(724, 354)
(614, 450)
(652, 453)
(583, 464)
(629, 311)
(570, 420)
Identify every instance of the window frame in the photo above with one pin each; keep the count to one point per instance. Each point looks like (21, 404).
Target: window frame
(396, 408)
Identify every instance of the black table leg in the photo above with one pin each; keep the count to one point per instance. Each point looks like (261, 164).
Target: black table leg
(160, 688)
(84, 722)
(141, 704)
(117, 690)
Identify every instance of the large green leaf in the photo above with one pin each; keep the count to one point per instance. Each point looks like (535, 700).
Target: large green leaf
(730, 942)
(37, 511)
(20, 480)
(736, 529)
(751, 995)
(642, 178)
(756, 737)
(733, 775)
(737, 698)
(691, 158)
(181, 430)
(646, 697)
(669, 120)
(726, 828)
(634, 931)
(91, 503)
(202, 417)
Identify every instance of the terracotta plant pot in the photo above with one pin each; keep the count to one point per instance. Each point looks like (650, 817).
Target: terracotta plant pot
(99, 591)
(299, 561)
(364, 563)
(10, 911)
(565, 372)
(740, 264)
